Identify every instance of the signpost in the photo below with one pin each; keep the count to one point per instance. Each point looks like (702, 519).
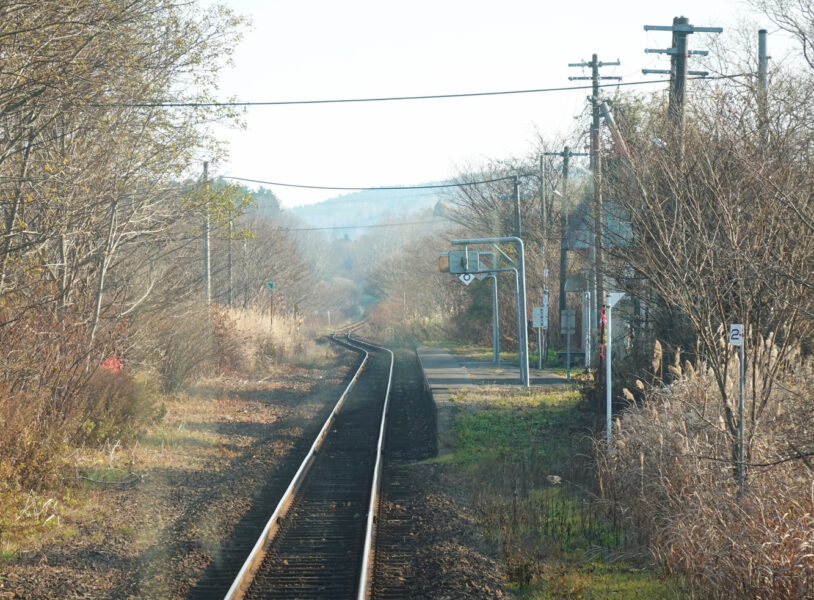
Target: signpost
(611, 298)
(736, 339)
(270, 285)
(568, 325)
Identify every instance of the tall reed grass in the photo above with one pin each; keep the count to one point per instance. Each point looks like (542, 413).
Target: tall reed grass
(670, 473)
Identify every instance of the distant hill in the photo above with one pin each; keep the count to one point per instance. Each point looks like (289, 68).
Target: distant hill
(368, 207)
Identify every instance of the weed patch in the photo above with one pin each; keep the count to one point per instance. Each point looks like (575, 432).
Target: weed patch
(528, 456)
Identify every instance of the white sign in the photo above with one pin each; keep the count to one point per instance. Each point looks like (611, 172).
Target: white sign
(736, 335)
(539, 317)
(568, 321)
(466, 278)
(611, 298)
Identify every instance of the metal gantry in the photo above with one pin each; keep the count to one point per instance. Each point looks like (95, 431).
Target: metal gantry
(520, 279)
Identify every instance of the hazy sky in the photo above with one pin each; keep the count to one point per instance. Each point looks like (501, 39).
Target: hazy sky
(321, 49)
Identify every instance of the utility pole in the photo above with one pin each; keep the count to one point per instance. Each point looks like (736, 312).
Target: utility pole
(207, 274)
(679, 53)
(516, 195)
(543, 215)
(595, 281)
(229, 262)
(245, 274)
(762, 77)
(566, 155)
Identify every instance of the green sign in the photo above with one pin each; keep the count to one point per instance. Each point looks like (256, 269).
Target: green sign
(270, 284)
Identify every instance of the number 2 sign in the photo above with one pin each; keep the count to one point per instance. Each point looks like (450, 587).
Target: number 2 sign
(736, 335)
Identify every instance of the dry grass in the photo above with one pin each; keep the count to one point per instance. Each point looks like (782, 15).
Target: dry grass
(267, 343)
(670, 473)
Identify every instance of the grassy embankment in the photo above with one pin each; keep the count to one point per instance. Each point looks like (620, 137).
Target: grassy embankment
(527, 453)
(184, 434)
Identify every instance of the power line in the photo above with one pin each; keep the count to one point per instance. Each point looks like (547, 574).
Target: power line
(239, 104)
(361, 188)
(402, 224)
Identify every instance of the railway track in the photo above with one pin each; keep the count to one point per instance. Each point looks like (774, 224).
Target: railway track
(318, 542)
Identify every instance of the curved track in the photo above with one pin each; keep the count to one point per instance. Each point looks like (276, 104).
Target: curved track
(317, 542)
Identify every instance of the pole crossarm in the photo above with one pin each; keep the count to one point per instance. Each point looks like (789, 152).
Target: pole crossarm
(563, 154)
(614, 63)
(673, 51)
(679, 53)
(684, 28)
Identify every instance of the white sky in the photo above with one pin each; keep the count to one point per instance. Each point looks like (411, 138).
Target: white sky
(319, 49)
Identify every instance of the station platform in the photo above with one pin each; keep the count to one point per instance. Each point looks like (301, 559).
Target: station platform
(447, 373)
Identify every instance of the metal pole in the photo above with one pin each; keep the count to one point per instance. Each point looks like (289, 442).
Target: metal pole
(521, 295)
(519, 326)
(740, 424)
(495, 321)
(539, 348)
(568, 355)
(523, 311)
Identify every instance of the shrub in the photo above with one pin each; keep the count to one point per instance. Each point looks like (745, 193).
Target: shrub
(43, 368)
(232, 352)
(670, 472)
(184, 345)
(117, 407)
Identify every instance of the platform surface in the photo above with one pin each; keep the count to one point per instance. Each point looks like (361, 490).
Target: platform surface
(447, 372)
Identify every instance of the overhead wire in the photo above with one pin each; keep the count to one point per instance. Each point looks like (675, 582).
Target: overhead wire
(431, 186)
(371, 226)
(247, 104)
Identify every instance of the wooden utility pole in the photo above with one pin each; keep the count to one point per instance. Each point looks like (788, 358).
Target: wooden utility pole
(543, 215)
(762, 77)
(679, 53)
(516, 198)
(229, 262)
(207, 273)
(566, 155)
(595, 281)
(245, 274)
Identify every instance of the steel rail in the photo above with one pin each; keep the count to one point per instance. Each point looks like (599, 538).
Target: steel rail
(250, 566)
(366, 572)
